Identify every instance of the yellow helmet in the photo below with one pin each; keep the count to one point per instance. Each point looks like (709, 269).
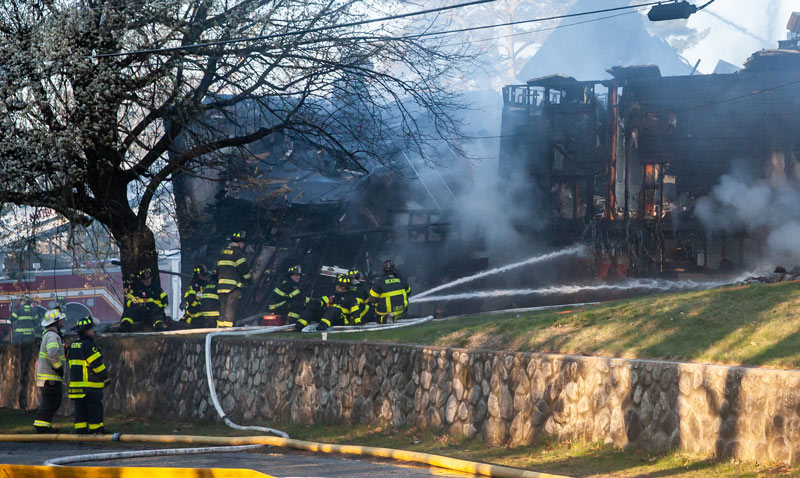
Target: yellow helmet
(85, 323)
(344, 280)
(52, 316)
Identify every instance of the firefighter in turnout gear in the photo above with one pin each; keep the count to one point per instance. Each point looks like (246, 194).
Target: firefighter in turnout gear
(287, 298)
(87, 378)
(23, 322)
(209, 302)
(389, 294)
(361, 289)
(342, 306)
(144, 302)
(192, 316)
(50, 368)
(233, 272)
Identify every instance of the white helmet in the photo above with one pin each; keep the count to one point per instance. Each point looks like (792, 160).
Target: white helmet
(52, 316)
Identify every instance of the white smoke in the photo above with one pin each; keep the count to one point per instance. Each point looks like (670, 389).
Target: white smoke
(496, 206)
(765, 209)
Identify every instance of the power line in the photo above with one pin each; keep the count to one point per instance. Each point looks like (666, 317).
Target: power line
(737, 26)
(478, 40)
(735, 98)
(533, 20)
(706, 4)
(363, 22)
(293, 33)
(539, 30)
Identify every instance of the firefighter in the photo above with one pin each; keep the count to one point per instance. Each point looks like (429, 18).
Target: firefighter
(87, 378)
(191, 302)
(313, 312)
(144, 302)
(288, 299)
(389, 294)
(342, 306)
(208, 303)
(50, 370)
(361, 288)
(233, 273)
(23, 322)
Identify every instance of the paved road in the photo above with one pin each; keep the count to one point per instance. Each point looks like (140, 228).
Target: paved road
(275, 462)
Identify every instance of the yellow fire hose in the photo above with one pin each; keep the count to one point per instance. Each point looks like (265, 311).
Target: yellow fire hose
(26, 471)
(454, 464)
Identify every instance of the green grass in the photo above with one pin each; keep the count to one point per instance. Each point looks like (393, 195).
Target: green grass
(579, 459)
(752, 325)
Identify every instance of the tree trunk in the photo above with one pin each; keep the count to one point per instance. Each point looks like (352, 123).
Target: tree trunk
(137, 251)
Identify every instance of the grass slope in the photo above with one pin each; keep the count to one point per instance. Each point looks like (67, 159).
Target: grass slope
(752, 325)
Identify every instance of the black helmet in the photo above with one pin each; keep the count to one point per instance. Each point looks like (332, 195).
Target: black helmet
(145, 274)
(343, 280)
(200, 270)
(353, 274)
(85, 323)
(388, 266)
(26, 298)
(240, 236)
(294, 270)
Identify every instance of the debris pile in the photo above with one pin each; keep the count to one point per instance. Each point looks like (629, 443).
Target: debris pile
(778, 275)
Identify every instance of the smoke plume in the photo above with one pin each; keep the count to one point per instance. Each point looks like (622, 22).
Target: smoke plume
(762, 208)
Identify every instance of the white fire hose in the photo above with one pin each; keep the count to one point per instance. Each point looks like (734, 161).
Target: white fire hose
(119, 455)
(212, 391)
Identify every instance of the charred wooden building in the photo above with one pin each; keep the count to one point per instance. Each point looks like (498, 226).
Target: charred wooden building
(299, 206)
(621, 162)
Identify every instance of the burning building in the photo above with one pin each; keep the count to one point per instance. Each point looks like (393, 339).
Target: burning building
(299, 206)
(621, 163)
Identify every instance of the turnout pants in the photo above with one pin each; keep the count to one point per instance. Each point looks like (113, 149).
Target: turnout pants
(367, 313)
(200, 322)
(383, 318)
(307, 314)
(22, 337)
(154, 317)
(51, 394)
(228, 306)
(89, 413)
(312, 313)
(334, 316)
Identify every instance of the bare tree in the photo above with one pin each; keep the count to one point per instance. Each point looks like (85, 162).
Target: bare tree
(92, 135)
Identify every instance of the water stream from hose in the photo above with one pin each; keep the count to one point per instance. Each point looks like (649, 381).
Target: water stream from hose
(637, 284)
(574, 250)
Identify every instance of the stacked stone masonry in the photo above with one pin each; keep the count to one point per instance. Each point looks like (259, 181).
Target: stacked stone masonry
(502, 397)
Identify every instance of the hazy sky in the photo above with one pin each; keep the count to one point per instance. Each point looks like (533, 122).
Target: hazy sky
(730, 44)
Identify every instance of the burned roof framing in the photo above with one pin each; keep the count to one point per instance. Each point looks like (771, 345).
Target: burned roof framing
(621, 162)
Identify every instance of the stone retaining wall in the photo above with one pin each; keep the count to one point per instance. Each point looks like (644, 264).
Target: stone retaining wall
(502, 397)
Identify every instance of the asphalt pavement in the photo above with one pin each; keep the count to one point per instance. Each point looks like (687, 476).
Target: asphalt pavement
(272, 461)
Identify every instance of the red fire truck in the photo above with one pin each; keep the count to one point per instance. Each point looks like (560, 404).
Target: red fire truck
(98, 292)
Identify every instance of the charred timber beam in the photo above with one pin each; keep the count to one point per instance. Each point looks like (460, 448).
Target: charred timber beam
(611, 164)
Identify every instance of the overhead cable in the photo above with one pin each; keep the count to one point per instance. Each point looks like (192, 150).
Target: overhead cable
(532, 20)
(293, 33)
(363, 22)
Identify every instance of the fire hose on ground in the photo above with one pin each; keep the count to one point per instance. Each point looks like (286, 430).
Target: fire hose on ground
(212, 390)
(119, 455)
(236, 444)
(439, 461)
